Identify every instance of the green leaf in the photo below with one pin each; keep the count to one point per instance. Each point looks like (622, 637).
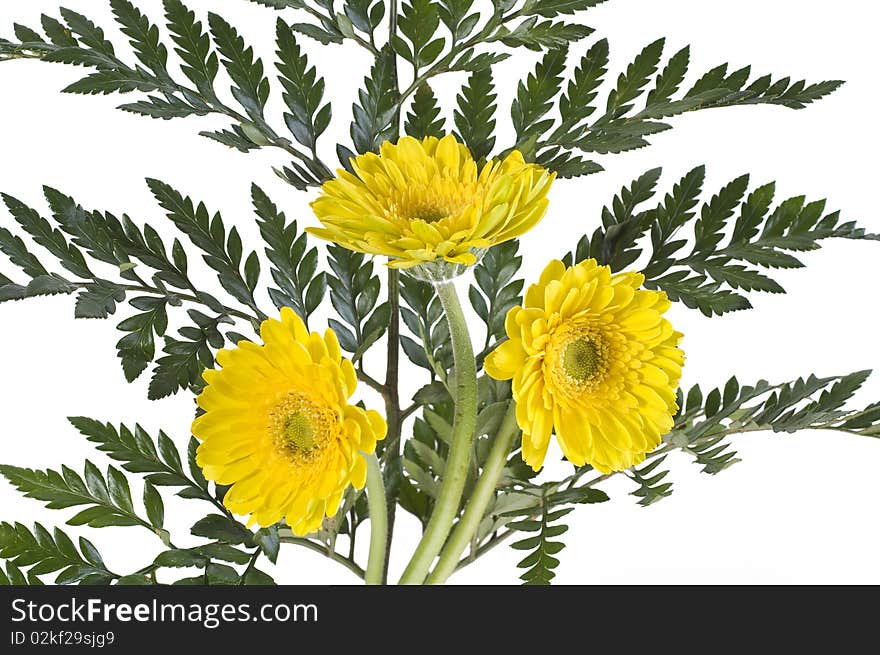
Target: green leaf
(551, 8)
(534, 97)
(720, 262)
(184, 360)
(154, 505)
(200, 64)
(424, 118)
(418, 23)
(670, 80)
(144, 36)
(424, 318)
(222, 250)
(354, 292)
(294, 264)
(576, 104)
(46, 552)
(496, 292)
(250, 86)
(222, 528)
(540, 563)
(615, 244)
(99, 300)
(539, 35)
(269, 542)
(156, 107)
(107, 501)
(137, 348)
(374, 112)
(631, 84)
(89, 34)
(626, 126)
(19, 254)
(256, 577)
(47, 236)
(303, 90)
(134, 580)
(475, 115)
(651, 482)
(181, 559)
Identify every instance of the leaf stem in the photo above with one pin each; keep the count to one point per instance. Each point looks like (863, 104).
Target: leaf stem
(370, 381)
(378, 521)
(464, 424)
(250, 567)
(482, 495)
(287, 537)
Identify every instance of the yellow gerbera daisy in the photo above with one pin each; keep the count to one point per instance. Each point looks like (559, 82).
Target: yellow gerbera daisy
(278, 427)
(424, 201)
(592, 358)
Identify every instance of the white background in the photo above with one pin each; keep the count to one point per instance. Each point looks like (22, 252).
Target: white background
(798, 509)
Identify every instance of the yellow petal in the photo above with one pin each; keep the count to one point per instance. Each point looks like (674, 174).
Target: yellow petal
(504, 362)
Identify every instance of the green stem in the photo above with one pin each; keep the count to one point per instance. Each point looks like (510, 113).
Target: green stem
(391, 392)
(391, 454)
(464, 424)
(378, 521)
(483, 494)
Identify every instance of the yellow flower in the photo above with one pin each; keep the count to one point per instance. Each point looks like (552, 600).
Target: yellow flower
(427, 201)
(592, 357)
(278, 427)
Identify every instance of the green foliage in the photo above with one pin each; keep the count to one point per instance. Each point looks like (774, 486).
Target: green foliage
(496, 291)
(294, 264)
(423, 316)
(77, 40)
(158, 460)
(644, 94)
(107, 500)
(251, 88)
(223, 251)
(564, 140)
(707, 255)
(543, 521)
(733, 236)
(354, 292)
(424, 118)
(418, 23)
(538, 35)
(651, 482)
(534, 97)
(303, 90)
(222, 528)
(540, 562)
(200, 63)
(373, 114)
(47, 552)
(475, 115)
(74, 235)
(705, 420)
(424, 456)
(184, 359)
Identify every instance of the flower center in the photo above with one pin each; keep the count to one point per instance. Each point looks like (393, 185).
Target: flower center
(439, 200)
(301, 426)
(581, 359)
(298, 431)
(430, 214)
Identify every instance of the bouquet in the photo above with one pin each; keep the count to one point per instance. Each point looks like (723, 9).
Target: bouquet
(299, 351)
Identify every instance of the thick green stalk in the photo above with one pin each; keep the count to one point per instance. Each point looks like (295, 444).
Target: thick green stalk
(391, 454)
(464, 424)
(479, 501)
(378, 521)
